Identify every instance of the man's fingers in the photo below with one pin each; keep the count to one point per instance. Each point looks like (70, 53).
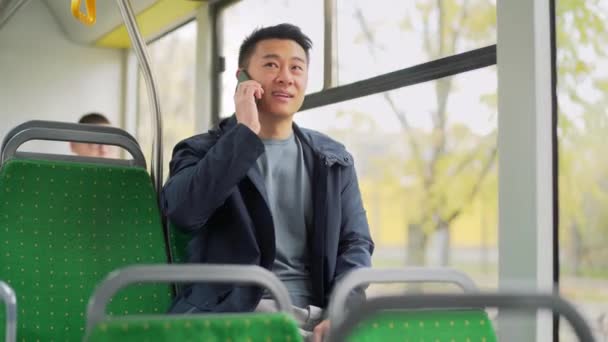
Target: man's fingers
(317, 335)
(250, 90)
(244, 85)
(259, 92)
(320, 331)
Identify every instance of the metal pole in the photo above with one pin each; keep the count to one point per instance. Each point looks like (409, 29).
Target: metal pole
(139, 46)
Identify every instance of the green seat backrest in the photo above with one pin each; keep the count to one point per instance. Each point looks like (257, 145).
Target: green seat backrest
(275, 327)
(63, 227)
(179, 244)
(426, 325)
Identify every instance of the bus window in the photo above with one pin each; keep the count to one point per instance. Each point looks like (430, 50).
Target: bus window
(400, 34)
(427, 172)
(173, 61)
(582, 74)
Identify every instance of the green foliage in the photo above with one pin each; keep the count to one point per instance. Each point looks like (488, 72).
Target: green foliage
(449, 167)
(443, 173)
(582, 41)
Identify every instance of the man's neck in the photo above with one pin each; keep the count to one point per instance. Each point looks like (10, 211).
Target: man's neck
(273, 127)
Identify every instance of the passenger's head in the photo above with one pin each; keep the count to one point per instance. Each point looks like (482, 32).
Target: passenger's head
(94, 119)
(278, 58)
(94, 150)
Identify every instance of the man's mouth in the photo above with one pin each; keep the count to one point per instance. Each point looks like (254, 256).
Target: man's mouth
(282, 94)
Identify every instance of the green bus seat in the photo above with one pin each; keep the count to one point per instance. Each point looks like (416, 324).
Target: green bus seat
(464, 324)
(426, 325)
(441, 317)
(178, 242)
(223, 327)
(64, 226)
(275, 327)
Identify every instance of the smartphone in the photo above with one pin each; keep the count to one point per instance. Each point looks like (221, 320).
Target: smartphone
(242, 76)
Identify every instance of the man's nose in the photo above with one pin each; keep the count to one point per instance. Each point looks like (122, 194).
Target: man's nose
(285, 76)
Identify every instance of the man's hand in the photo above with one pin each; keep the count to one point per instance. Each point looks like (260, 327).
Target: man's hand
(320, 331)
(246, 108)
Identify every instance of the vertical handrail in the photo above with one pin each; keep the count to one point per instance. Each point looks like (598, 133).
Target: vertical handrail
(139, 46)
(9, 9)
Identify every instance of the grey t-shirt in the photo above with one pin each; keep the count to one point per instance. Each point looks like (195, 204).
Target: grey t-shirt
(289, 195)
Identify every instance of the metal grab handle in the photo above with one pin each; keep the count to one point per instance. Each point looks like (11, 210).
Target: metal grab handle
(366, 276)
(69, 135)
(520, 301)
(8, 296)
(64, 125)
(183, 273)
(143, 59)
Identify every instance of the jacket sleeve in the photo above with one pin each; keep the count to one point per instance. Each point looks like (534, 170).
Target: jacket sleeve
(202, 178)
(355, 246)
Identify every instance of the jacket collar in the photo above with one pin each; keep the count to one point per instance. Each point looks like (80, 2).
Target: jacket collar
(325, 148)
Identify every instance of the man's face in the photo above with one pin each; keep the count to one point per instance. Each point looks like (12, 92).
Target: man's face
(281, 67)
(94, 150)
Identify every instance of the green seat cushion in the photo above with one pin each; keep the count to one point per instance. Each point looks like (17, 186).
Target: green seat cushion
(273, 327)
(63, 227)
(426, 325)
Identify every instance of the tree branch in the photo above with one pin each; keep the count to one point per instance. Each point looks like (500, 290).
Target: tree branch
(466, 161)
(458, 31)
(401, 116)
(443, 87)
(482, 175)
(426, 35)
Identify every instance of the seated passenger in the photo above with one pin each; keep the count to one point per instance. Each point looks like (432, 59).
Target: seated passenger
(259, 190)
(94, 150)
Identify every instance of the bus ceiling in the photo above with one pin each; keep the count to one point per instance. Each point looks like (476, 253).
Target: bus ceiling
(154, 18)
(8, 8)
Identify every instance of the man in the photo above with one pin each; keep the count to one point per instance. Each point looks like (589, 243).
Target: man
(94, 150)
(259, 190)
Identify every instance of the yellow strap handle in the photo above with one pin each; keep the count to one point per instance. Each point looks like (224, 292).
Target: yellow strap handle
(87, 19)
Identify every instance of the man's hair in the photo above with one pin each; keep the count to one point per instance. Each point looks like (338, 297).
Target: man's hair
(281, 31)
(94, 118)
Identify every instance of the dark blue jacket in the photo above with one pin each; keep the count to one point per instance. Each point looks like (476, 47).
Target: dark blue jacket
(217, 195)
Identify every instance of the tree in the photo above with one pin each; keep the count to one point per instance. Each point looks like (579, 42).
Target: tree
(434, 161)
(451, 26)
(582, 41)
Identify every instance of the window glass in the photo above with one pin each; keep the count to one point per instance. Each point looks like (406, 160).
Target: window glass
(376, 37)
(173, 62)
(427, 166)
(582, 61)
